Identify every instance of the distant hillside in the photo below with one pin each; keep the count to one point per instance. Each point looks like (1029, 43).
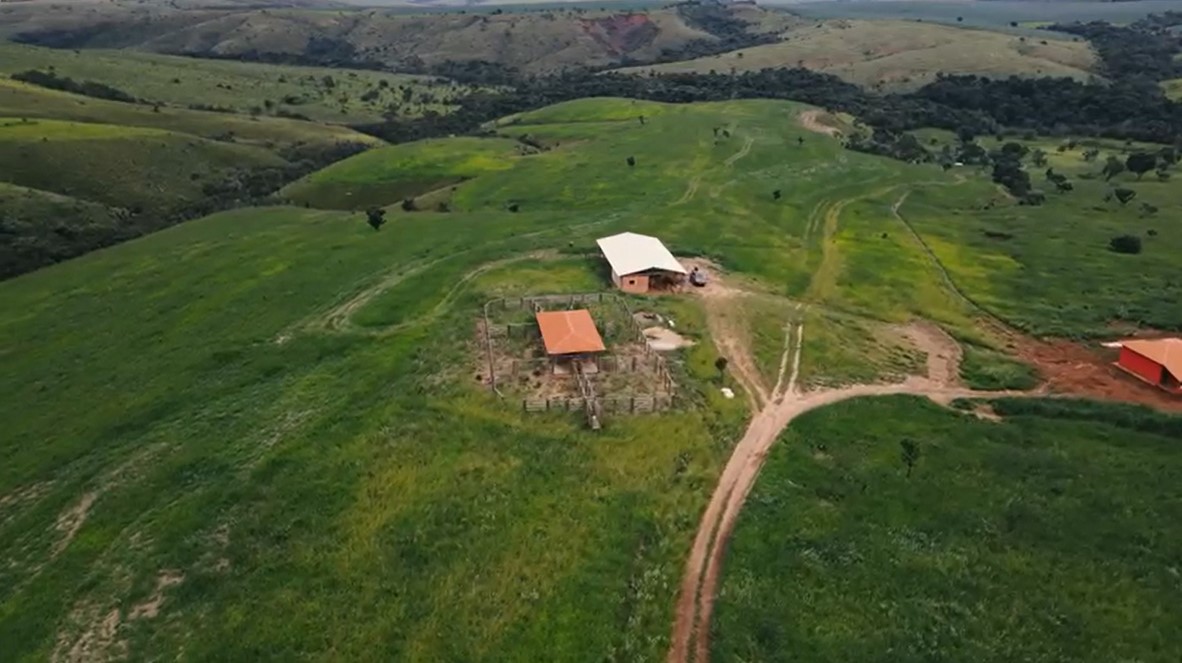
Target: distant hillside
(317, 93)
(536, 41)
(899, 54)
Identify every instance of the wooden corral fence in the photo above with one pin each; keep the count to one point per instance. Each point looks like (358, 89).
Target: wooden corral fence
(650, 360)
(639, 404)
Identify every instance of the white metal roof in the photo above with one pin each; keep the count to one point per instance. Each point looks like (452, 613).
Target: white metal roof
(629, 253)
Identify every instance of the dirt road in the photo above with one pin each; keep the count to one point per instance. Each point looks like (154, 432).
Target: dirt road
(811, 120)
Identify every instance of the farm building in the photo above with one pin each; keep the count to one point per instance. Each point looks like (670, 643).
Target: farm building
(569, 335)
(641, 263)
(1158, 362)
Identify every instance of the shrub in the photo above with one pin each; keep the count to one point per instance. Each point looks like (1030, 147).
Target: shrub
(1130, 244)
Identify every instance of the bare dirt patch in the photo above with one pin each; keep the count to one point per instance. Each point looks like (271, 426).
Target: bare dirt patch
(71, 520)
(812, 120)
(97, 642)
(943, 352)
(663, 339)
(150, 608)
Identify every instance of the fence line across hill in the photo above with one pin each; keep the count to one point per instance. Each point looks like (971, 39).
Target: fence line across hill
(629, 404)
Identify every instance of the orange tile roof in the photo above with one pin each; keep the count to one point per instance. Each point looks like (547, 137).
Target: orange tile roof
(1165, 351)
(569, 332)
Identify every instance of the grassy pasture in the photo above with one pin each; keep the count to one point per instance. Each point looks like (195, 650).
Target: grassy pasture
(21, 100)
(900, 55)
(240, 86)
(191, 402)
(129, 167)
(388, 175)
(1048, 268)
(1010, 541)
(994, 14)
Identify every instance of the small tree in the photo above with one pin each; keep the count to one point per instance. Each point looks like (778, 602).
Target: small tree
(721, 364)
(375, 217)
(1112, 168)
(1038, 157)
(408, 205)
(909, 454)
(631, 161)
(1140, 163)
(1124, 195)
(1091, 154)
(1147, 209)
(776, 194)
(1130, 244)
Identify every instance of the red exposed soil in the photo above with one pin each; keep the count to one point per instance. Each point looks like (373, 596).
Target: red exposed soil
(621, 33)
(1073, 368)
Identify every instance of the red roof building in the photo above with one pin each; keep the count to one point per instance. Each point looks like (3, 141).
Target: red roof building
(569, 333)
(1158, 362)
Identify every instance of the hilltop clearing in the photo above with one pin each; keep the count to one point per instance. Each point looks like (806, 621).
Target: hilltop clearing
(272, 429)
(899, 55)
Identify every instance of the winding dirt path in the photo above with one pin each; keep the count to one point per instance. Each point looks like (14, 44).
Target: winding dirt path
(743, 151)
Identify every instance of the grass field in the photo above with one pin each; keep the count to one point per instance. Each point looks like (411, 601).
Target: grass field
(993, 14)
(242, 86)
(389, 175)
(128, 167)
(900, 55)
(26, 101)
(260, 434)
(1009, 541)
(1048, 268)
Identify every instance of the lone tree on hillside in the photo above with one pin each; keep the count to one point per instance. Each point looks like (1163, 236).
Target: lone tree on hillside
(1112, 168)
(910, 454)
(375, 217)
(408, 205)
(776, 194)
(631, 161)
(721, 364)
(1130, 244)
(1140, 163)
(1124, 195)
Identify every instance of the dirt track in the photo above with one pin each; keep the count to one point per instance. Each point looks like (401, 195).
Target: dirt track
(811, 120)
(776, 409)
(700, 583)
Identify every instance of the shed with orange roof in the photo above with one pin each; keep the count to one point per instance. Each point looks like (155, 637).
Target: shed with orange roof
(569, 334)
(1157, 361)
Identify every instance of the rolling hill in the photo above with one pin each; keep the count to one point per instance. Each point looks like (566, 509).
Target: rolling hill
(899, 55)
(340, 96)
(536, 41)
(269, 431)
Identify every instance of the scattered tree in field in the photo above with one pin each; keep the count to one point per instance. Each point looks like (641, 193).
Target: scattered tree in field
(800, 140)
(1147, 209)
(642, 120)
(1038, 157)
(1112, 168)
(721, 364)
(1124, 195)
(960, 19)
(1140, 163)
(1090, 154)
(776, 194)
(514, 207)
(1130, 244)
(328, 82)
(408, 205)
(631, 161)
(375, 217)
(909, 454)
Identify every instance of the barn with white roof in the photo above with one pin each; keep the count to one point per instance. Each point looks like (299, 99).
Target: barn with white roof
(641, 263)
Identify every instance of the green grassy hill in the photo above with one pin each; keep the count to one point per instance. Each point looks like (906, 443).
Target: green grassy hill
(1001, 545)
(22, 100)
(388, 175)
(900, 55)
(128, 167)
(266, 433)
(354, 96)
